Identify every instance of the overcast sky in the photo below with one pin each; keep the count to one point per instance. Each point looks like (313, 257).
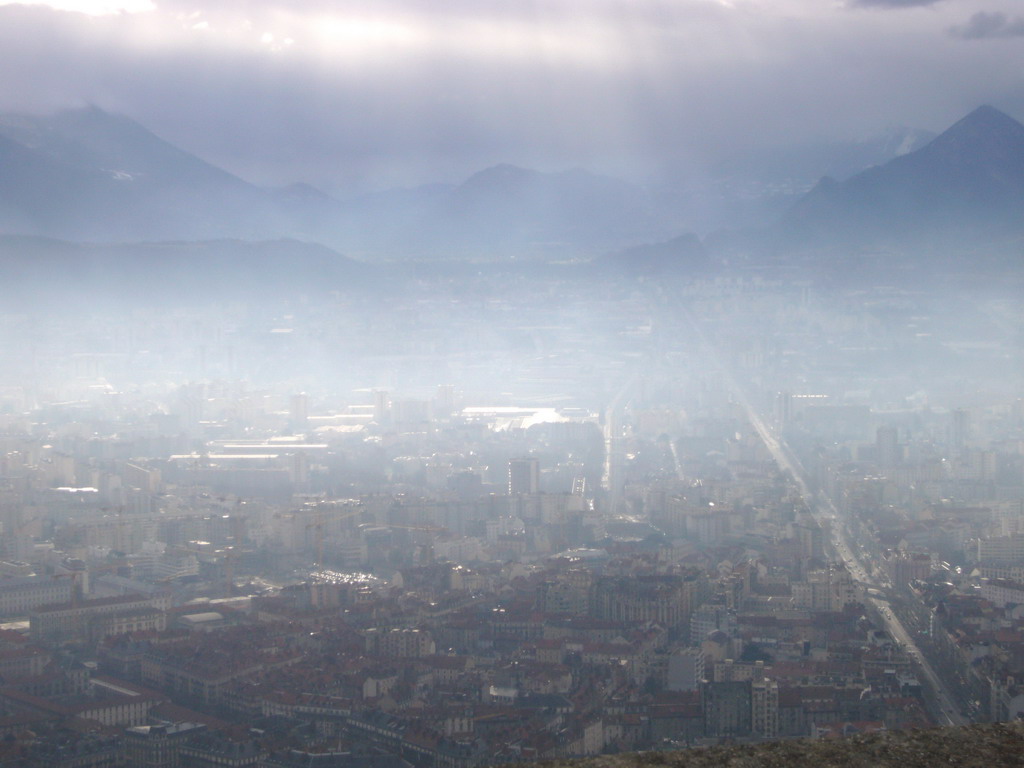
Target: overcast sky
(361, 94)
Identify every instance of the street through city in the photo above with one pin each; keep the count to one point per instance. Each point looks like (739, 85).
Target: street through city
(823, 509)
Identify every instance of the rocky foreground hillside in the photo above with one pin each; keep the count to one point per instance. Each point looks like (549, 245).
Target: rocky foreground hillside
(976, 746)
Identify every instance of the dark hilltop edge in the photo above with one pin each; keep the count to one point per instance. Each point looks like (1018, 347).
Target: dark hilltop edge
(974, 746)
(42, 269)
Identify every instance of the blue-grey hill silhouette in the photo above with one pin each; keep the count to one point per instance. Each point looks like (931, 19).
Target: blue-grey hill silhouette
(966, 184)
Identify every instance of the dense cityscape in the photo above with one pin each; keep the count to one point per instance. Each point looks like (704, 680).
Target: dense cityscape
(606, 516)
(561, 383)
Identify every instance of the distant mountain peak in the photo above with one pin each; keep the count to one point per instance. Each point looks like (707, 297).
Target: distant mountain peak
(986, 126)
(302, 192)
(825, 185)
(514, 178)
(506, 168)
(501, 175)
(89, 110)
(986, 113)
(93, 117)
(967, 181)
(986, 119)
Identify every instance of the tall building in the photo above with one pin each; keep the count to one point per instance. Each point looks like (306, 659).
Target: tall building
(22, 594)
(812, 540)
(960, 431)
(764, 708)
(96, 619)
(783, 409)
(1001, 549)
(826, 590)
(905, 567)
(887, 448)
(726, 708)
(523, 476)
(666, 599)
(158, 745)
(381, 407)
(298, 412)
(686, 670)
(444, 402)
(711, 618)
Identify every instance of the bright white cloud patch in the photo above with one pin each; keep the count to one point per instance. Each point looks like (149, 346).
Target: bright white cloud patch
(90, 7)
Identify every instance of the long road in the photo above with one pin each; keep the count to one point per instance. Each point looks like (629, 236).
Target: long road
(610, 480)
(824, 511)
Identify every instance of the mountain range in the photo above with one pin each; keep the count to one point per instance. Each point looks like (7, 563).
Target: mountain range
(91, 176)
(966, 185)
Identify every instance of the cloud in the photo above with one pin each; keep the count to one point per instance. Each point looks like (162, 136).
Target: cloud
(987, 26)
(91, 7)
(892, 3)
(369, 93)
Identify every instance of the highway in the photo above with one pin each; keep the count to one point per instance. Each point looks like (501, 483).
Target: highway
(824, 511)
(610, 480)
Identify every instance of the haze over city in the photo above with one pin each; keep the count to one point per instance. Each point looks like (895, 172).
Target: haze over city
(386, 385)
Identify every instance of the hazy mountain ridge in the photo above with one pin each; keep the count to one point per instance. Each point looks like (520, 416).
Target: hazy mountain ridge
(86, 174)
(91, 176)
(966, 183)
(683, 255)
(43, 269)
(93, 139)
(806, 163)
(575, 212)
